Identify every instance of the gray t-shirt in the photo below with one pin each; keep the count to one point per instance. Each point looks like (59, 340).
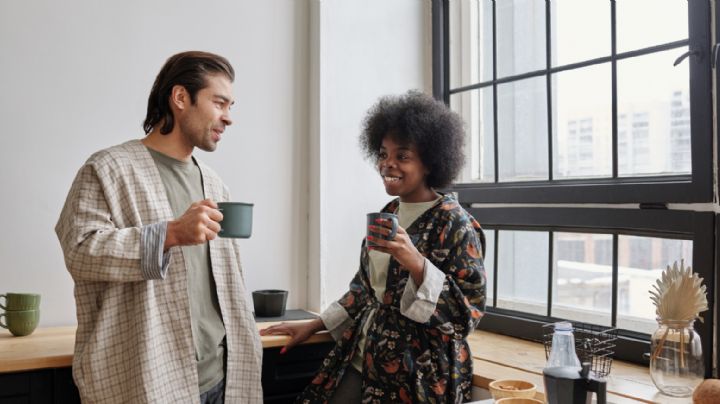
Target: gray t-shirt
(183, 184)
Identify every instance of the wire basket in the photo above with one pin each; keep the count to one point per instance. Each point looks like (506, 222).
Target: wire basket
(593, 343)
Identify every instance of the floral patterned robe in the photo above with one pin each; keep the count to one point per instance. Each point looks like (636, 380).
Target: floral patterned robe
(406, 361)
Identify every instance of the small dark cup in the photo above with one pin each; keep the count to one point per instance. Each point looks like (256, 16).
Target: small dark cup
(371, 217)
(269, 302)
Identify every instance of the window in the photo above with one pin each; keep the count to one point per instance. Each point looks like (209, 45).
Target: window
(568, 103)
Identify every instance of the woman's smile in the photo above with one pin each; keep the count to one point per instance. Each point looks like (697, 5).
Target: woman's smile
(403, 172)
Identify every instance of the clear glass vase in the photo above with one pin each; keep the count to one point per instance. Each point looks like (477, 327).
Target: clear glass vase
(676, 359)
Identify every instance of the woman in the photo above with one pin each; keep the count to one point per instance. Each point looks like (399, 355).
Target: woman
(401, 328)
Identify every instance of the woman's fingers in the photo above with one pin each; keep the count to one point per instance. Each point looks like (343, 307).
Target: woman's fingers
(278, 329)
(379, 230)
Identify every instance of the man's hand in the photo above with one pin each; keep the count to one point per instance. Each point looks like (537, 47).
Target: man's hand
(197, 225)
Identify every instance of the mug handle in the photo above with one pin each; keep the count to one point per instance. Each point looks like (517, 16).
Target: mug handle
(1, 306)
(3, 323)
(393, 232)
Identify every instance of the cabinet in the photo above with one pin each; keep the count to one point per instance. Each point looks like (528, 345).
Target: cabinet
(285, 376)
(45, 386)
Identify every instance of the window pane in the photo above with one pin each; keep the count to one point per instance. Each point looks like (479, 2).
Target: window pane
(522, 130)
(489, 261)
(470, 42)
(653, 115)
(523, 271)
(580, 30)
(582, 277)
(660, 23)
(582, 125)
(520, 36)
(476, 109)
(641, 261)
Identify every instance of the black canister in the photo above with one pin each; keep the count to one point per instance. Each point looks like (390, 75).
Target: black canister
(568, 385)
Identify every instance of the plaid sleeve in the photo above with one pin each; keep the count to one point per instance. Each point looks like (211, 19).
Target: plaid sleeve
(94, 248)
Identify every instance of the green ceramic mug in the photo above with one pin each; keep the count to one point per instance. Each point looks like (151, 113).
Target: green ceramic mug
(237, 219)
(20, 301)
(20, 322)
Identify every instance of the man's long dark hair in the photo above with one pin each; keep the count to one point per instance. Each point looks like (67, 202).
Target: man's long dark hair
(187, 69)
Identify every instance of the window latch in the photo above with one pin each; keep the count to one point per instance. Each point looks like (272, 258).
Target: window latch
(715, 53)
(682, 57)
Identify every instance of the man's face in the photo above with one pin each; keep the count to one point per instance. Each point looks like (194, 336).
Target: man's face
(202, 124)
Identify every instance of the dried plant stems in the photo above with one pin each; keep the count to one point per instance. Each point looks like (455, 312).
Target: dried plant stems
(660, 344)
(682, 349)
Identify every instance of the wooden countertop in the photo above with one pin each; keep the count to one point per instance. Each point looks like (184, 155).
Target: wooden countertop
(501, 357)
(53, 347)
(496, 357)
(45, 348)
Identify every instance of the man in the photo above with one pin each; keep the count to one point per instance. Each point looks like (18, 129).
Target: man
(162, 315)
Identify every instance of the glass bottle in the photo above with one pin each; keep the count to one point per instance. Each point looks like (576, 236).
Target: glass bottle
(676, 359)
(562, 352)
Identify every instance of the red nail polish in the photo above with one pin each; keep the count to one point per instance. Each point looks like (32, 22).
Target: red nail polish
(282, 351)
(370, 238)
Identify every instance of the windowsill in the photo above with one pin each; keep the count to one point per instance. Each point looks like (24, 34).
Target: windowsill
(501, 357)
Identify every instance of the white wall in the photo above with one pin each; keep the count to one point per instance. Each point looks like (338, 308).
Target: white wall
(361, 51)
(75, 76)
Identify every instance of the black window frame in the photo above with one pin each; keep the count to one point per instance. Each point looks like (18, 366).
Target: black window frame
(649, 195)
(676, 224)
(696, 187)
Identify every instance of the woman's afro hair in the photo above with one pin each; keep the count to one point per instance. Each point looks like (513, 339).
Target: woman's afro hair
(418, 119)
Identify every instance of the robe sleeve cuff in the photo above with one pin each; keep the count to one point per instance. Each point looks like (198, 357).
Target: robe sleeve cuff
(418, 303)
(336, 320)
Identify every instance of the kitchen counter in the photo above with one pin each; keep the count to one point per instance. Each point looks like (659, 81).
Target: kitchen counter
(52, 347)
(45, 348)
(498, 356)
(495, 357)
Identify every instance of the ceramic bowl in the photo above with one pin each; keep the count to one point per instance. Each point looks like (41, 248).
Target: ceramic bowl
(518, 400)
(509, 388)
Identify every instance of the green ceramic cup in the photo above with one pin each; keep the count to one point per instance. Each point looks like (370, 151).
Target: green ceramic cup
(20, 301)
(20, 322)
(237, 219)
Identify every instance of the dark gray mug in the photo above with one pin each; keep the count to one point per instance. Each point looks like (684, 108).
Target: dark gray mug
(237, 219)
(371, 217)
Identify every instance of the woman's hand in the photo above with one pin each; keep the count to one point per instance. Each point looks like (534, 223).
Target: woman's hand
(401, 248)
(298, 332)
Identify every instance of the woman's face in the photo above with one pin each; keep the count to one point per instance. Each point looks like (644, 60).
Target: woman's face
(403, 172)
